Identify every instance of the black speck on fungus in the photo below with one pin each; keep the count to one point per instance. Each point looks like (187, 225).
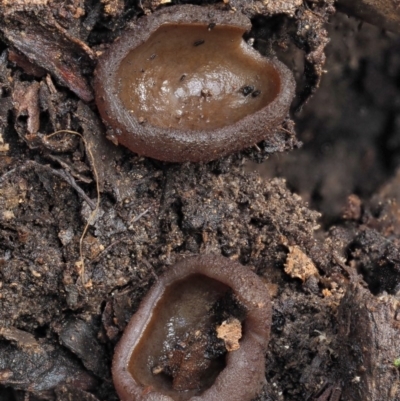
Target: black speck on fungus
(164, 355)
(144, 101)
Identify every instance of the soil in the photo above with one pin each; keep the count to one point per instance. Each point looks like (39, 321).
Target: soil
(319, 223)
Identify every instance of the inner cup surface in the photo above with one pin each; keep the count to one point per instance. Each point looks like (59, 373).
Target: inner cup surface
(184, 307)
(195, 77)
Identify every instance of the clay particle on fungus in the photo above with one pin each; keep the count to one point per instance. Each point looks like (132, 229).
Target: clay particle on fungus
(230, 331)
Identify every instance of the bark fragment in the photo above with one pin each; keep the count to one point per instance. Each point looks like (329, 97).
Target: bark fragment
(51, 51)
(41, 371)
(26, 103)
(79, 337)
(368, 345)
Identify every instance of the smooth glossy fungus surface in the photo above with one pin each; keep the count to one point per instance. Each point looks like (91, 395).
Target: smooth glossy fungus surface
(183, 85)
(201, 87)
(169, 350)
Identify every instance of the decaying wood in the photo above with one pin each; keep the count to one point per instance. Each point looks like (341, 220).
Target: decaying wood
(368, 345)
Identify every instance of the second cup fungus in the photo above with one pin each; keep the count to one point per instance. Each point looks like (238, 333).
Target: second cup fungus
(200, 334)
(183, 85)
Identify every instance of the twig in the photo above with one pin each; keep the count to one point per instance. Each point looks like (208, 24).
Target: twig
(71, 180)
(97, 206)
(139, 216)
(151, 268)
(106, 250)
(286, 130)
(80, 43)
(67, 177)
(307, 7)
(5, 175)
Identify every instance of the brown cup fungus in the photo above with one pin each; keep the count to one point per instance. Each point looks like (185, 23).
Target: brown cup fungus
(183, 85)
(200, 334)
(383, 13)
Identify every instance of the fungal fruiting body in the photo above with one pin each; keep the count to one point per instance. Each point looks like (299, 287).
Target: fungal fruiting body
(384, 13)
(172, 349)
(183, 85)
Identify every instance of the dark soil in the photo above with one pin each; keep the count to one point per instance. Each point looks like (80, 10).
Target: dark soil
(320, 224)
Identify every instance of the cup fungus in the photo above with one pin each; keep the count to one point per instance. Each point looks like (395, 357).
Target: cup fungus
(183, 85)
(171, 350)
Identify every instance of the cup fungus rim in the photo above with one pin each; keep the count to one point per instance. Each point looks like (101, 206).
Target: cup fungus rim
(251, 292)
(176, 145)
